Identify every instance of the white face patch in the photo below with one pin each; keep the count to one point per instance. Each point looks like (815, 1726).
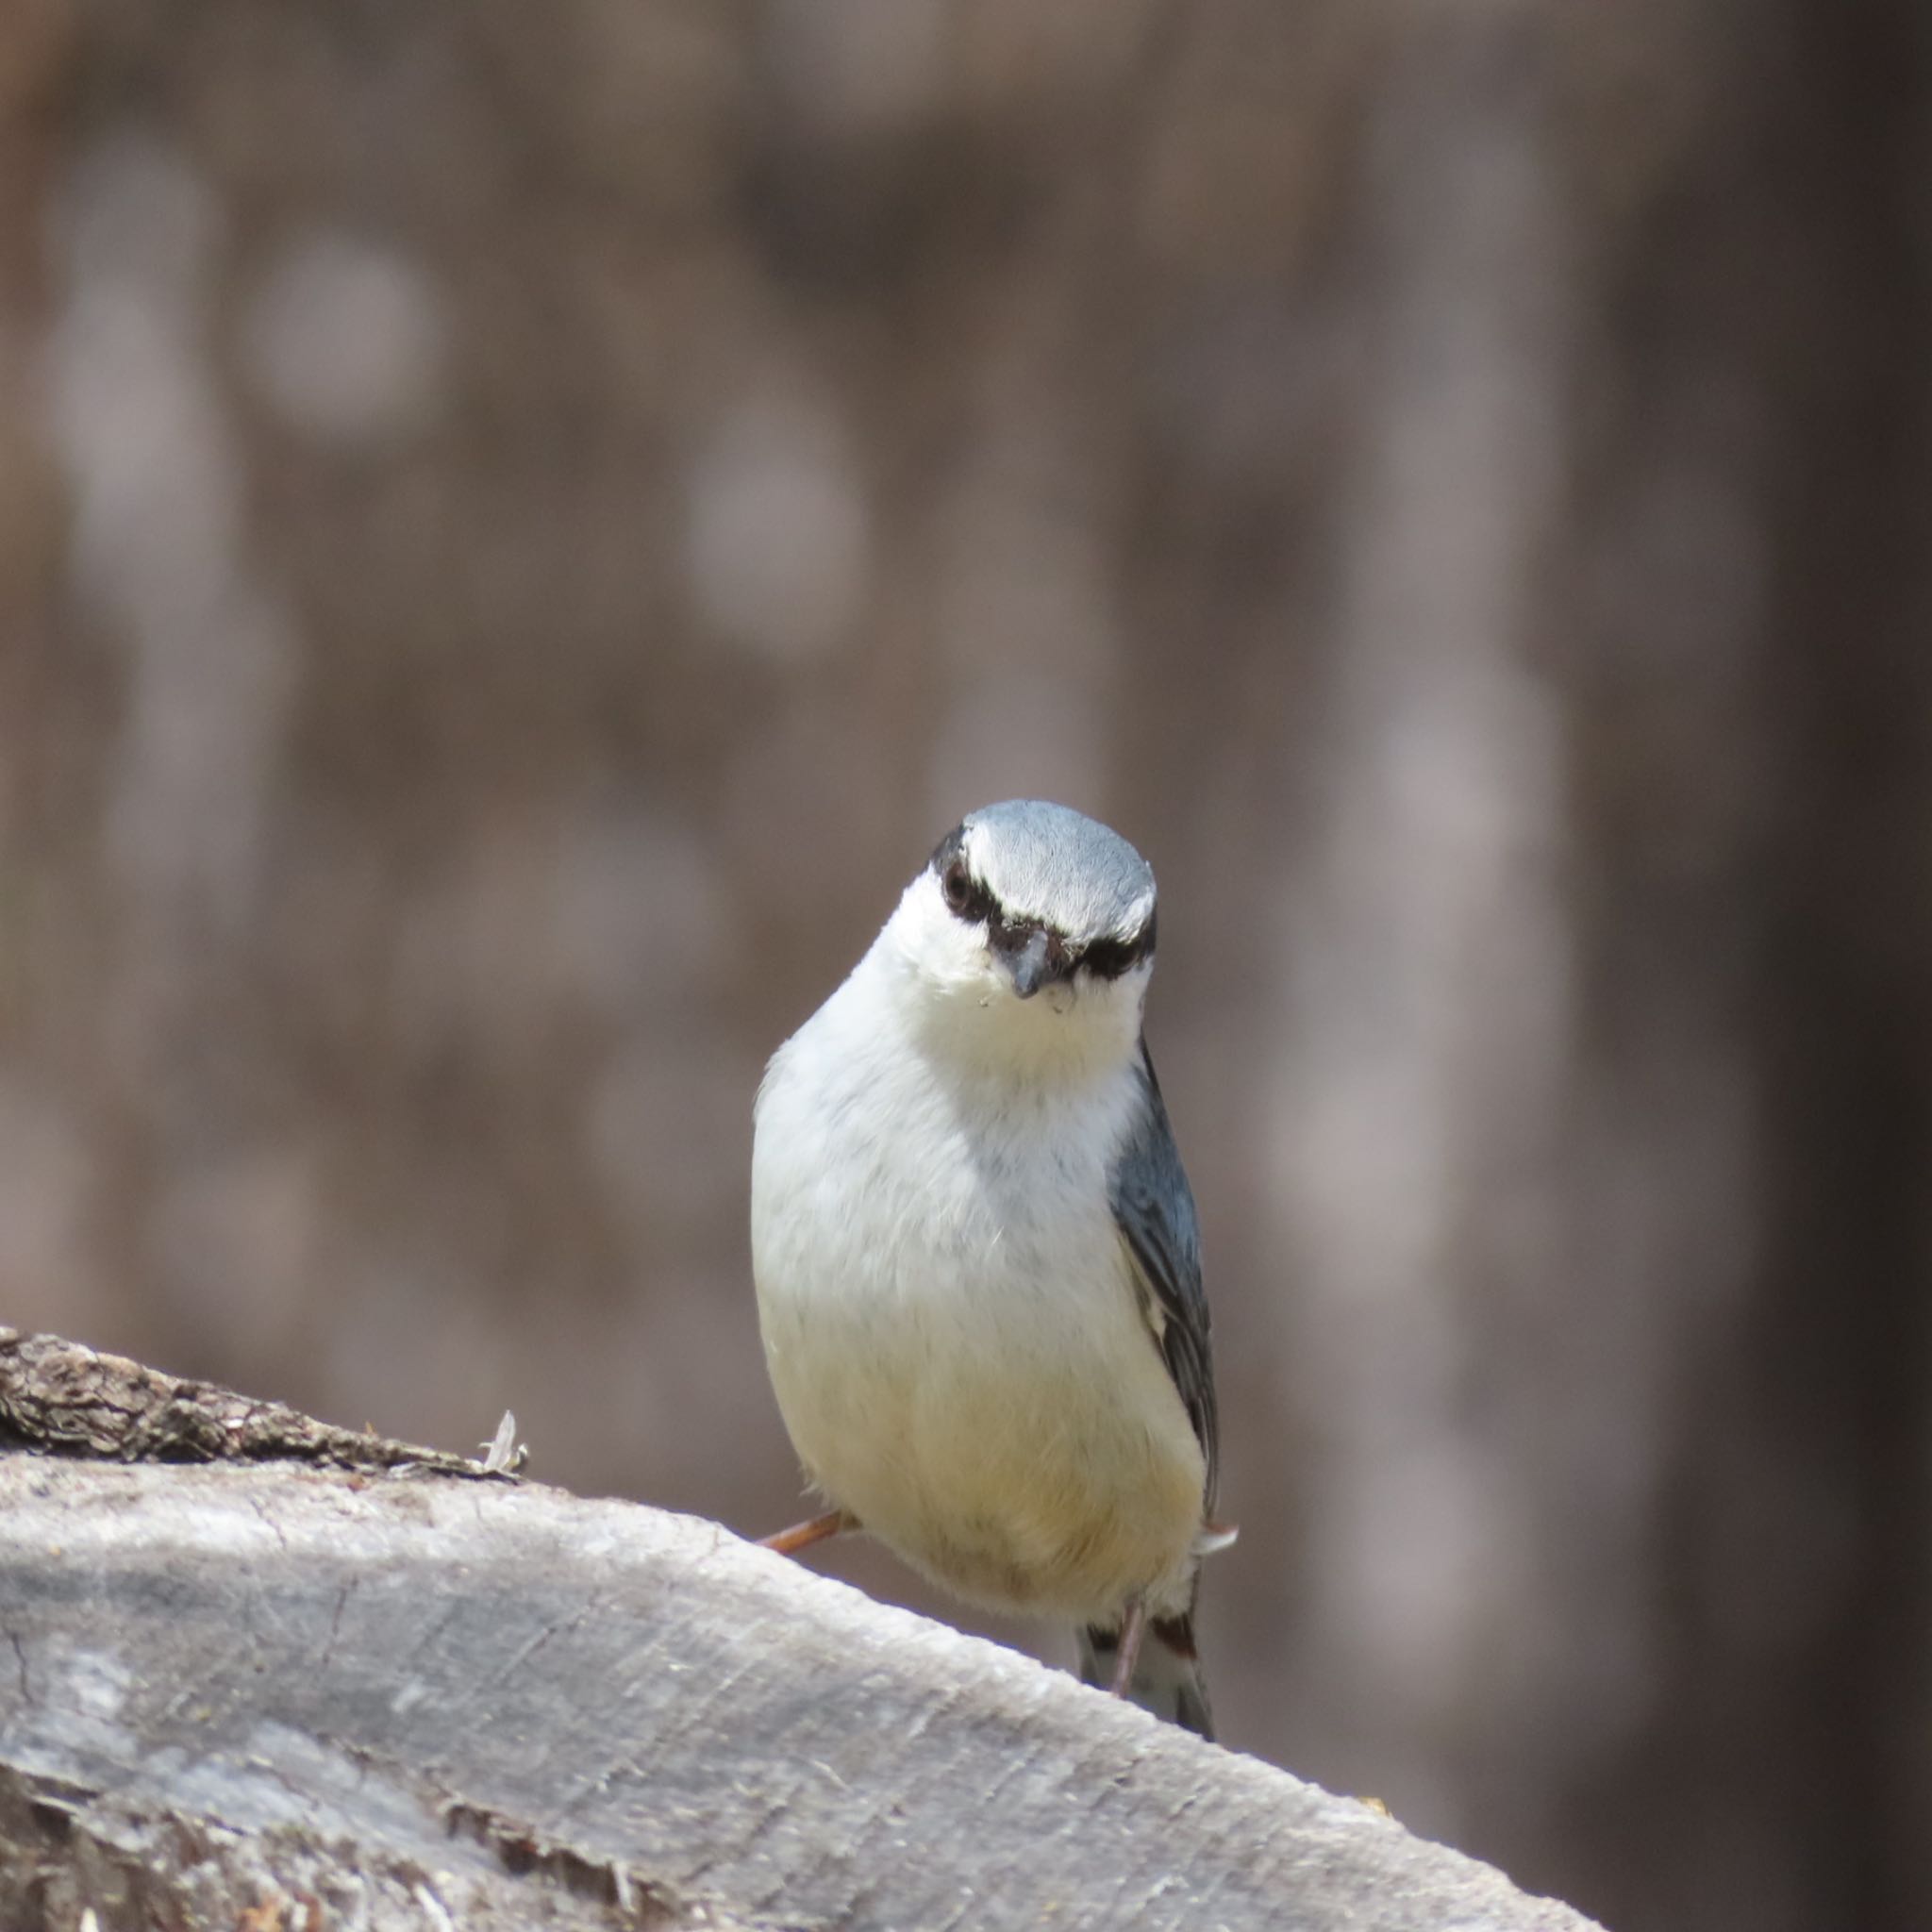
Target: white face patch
(973, 845)
(949, 953)
(961, 999)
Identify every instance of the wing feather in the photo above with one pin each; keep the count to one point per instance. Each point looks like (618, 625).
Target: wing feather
(1155, 1207)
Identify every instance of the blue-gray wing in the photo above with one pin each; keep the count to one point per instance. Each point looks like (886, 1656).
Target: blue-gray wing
(1154, 1208)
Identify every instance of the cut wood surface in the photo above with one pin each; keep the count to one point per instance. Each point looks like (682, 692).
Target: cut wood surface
(250, 1665)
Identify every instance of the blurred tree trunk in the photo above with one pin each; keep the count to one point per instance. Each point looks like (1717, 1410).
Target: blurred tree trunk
(1765, 312)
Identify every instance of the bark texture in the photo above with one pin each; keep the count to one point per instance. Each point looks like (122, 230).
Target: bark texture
(263, 1673)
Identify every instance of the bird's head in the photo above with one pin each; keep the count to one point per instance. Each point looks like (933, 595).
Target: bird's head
(1030, 935)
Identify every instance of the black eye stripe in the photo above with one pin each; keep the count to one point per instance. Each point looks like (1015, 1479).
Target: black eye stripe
(1112, 958)
(968, 898)
(965, 896)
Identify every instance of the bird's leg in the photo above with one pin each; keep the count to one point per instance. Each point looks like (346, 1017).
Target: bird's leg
(1133, 1627)
(801, 1535)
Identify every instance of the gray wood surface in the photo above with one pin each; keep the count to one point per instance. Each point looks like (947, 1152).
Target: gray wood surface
(340, 1683)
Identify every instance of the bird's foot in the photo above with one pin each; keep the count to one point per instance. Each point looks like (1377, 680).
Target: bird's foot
(801, 1535)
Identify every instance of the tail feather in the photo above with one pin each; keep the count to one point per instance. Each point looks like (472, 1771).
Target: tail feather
(1167, 1673)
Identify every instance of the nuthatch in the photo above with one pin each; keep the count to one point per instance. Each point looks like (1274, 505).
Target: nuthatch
(977, 1261)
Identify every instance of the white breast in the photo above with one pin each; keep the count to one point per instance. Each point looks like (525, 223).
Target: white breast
(951, 1321)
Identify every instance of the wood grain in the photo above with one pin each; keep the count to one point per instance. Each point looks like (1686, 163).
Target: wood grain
(347, 1686)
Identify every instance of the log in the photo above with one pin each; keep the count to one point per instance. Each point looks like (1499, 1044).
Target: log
(256, 1671)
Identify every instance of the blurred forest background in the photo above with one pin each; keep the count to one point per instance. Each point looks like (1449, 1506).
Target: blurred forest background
(519, 525)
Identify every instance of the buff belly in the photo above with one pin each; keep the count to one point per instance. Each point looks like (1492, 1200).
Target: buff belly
(1023, 1457)
(952, 1321)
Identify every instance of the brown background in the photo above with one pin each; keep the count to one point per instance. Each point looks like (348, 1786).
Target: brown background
(519, 526)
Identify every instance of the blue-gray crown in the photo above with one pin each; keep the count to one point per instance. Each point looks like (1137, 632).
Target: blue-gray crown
(1042, 863)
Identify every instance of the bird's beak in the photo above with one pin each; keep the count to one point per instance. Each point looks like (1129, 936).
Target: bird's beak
(1032, 965)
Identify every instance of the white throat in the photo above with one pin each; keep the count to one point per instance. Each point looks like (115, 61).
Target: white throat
(958, 1002)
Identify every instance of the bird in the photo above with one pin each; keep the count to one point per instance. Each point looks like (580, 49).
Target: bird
(977, 1260)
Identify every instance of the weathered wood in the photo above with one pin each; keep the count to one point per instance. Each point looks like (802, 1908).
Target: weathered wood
(57, 1396)
(366, 1696)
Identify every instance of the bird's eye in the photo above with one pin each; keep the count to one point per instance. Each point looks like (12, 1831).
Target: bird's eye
(957, 883)
(1110, 959)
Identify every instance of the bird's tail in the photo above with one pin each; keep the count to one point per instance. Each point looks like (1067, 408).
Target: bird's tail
(1167, 1673)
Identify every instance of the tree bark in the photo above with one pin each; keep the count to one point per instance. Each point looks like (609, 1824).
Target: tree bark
(256, 1671)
